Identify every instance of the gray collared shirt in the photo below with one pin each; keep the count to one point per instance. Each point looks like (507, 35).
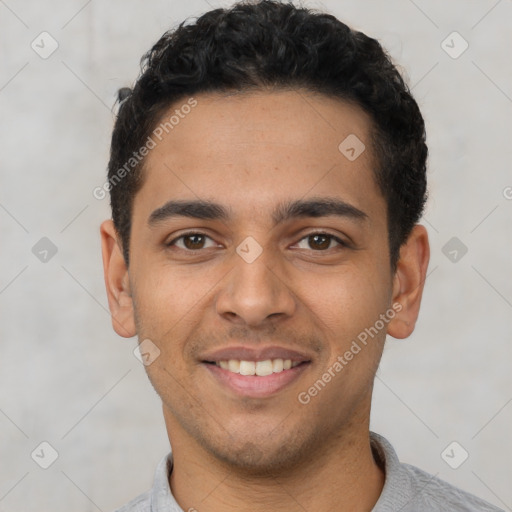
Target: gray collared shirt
(406, 489)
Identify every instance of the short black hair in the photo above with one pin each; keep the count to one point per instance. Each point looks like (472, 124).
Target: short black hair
(275, 45)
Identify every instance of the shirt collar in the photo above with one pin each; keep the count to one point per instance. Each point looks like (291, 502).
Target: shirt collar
(161, 498)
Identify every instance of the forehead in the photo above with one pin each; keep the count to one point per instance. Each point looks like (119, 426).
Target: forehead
(259, 148)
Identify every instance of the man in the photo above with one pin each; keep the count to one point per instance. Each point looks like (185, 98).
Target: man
(267, 174)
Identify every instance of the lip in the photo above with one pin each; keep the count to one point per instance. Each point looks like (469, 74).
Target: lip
(244, 353)
(253, 386)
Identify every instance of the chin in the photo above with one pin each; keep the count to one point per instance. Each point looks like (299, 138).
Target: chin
(265, 457)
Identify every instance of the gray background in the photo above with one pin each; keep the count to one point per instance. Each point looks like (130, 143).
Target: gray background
(66, 378)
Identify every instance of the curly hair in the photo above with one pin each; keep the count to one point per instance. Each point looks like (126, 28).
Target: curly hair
(270, 45)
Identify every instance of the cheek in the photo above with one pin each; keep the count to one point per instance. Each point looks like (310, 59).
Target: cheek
(348, 297)
(166, 293)
(169, 302)
(345, 306)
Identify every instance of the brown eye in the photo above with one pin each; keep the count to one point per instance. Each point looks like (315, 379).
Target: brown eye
(320, 242)
(191, 242)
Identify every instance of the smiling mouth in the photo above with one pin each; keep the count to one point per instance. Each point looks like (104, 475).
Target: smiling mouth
(257, 368)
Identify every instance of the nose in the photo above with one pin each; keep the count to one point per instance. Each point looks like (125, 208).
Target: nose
(255, 291)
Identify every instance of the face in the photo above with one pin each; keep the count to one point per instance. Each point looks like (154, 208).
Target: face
(257, 245)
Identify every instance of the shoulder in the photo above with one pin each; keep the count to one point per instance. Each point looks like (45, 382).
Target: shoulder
(437, 494)
(141, 503)
(410, 489)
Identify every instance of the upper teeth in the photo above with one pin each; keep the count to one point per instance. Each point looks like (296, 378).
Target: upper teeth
(260, 368)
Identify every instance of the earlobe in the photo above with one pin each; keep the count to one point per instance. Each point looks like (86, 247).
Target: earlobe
(408, 282)
(117, 281)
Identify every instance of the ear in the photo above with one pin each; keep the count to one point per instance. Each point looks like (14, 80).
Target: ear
(117, 281)
(408, 282)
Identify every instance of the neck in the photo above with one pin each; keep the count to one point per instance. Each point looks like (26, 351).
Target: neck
(344, 477)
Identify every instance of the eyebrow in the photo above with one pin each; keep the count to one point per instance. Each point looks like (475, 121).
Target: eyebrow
(208, 210)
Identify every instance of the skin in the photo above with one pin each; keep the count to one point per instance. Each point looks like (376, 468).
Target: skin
(250, 152)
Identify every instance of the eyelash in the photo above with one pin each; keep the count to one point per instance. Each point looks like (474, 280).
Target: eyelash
(322, 233)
